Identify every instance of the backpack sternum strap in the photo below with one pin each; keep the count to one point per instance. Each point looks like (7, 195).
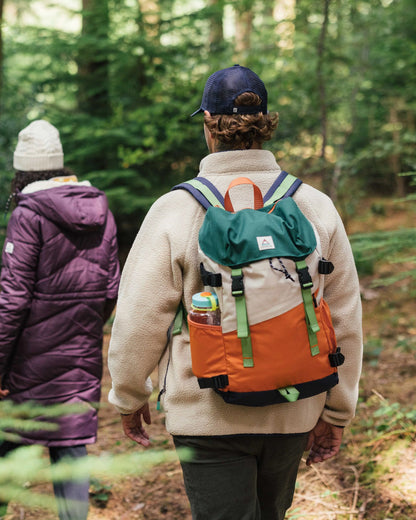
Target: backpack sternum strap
(243, 329)
(306, 285)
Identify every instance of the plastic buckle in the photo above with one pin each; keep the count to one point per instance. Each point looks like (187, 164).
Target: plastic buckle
(336, 359)
(208, 278)
(218, 382)
(237, 285)
(305, 279)
(325, 266)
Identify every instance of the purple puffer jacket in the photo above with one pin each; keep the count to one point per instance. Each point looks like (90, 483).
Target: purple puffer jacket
(60, 267)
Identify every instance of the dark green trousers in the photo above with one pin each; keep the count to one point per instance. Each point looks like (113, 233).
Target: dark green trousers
(72, 495)
(241, 477)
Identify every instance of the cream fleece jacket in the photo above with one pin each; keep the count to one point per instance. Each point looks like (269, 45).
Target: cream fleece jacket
(162, 268)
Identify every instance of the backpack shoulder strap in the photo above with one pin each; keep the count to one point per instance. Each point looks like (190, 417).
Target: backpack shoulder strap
(203, 190)
(284, 186)
(208, 195)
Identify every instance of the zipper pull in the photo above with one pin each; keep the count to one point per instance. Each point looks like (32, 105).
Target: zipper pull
(158, 405)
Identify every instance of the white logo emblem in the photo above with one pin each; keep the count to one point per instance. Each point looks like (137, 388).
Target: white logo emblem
(265, 243)
(9, 247)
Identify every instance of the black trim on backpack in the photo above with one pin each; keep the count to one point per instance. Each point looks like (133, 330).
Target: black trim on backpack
(268, 397)
(215, 382)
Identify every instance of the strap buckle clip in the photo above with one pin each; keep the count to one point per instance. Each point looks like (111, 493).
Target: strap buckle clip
(237, 285)
(336, 359)
(216, 382)
(210, 279)
(305, 279)
(325, 266)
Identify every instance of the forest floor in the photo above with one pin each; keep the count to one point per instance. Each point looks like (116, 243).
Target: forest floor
(374, 476)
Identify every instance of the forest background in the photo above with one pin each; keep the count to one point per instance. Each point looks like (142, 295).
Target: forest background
(120, 78)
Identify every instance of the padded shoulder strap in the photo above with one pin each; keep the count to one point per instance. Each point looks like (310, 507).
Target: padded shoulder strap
(207, 194)
(203, 190)
(284, 186)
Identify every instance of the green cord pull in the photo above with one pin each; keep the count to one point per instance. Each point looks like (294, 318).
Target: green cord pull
(290, 393)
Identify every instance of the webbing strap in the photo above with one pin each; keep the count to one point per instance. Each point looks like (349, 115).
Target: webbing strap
(241, 312)
(180, 317)
(306, 285)
(281, 188)
(243, 329)
(206, 192)
(247, 351)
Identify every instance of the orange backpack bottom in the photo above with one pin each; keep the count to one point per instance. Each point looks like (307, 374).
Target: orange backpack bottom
(284, 368)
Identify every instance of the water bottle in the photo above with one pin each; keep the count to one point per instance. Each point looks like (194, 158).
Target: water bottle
(205, 309)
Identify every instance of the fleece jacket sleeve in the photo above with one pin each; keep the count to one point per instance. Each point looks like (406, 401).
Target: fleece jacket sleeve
(343, 296)
(150, 292)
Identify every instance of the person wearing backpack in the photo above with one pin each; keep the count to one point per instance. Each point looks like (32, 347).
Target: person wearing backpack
(245, 457)
(59, 282)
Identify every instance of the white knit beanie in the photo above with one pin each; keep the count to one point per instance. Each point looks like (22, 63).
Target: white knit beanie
(38, 148)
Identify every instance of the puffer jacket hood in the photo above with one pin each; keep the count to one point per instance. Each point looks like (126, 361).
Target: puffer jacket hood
(76, 207)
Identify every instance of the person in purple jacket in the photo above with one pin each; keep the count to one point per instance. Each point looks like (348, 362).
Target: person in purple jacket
(59, 283)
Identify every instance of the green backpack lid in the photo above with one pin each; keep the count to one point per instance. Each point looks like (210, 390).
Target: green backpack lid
(251, 235)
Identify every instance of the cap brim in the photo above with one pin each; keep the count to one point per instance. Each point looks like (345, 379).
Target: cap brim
(200, 109)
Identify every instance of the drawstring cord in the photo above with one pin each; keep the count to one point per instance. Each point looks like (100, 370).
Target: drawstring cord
(8, 202)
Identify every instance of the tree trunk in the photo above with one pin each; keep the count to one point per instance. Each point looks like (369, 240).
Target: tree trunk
(148, 25)
(395, 163)
(149, 18)
(216, 29)
(243, 30)
(321, 79)
(1, 49)
(93, 63)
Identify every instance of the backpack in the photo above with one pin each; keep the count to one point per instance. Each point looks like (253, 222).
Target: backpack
(276, 342)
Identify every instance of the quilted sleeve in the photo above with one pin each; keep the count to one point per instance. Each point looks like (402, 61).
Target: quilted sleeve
(114, 265)
(18, 277)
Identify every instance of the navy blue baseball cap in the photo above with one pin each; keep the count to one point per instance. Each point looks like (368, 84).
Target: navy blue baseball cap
(224, 86)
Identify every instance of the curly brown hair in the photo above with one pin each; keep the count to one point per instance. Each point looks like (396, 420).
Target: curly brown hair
(22, 179)
(241, 131)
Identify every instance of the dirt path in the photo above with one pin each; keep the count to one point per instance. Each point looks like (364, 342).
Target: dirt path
(332, 490)
(374, 477)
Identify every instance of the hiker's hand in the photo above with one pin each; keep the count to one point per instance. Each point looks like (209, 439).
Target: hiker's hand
(324, 442)
(133, 427)
(3, 391)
